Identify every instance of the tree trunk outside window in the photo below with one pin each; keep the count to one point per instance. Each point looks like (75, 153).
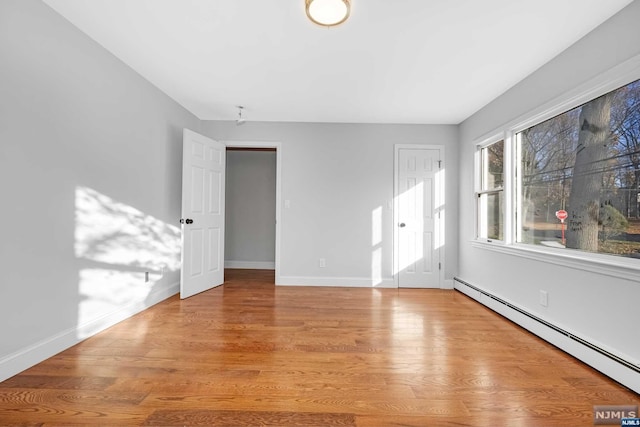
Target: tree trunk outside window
(591, 154)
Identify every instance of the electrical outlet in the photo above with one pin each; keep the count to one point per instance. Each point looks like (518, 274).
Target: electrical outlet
(544, 298)
(322, 263)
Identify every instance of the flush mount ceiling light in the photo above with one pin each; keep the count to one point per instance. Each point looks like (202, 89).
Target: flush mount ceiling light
(328, 12)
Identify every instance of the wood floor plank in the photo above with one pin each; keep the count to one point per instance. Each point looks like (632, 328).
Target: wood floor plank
(216, 418)
(360, 404)
(306, 390)
(251, 353)
(58, 382)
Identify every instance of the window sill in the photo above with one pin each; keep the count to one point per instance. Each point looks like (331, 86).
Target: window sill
(609, 265)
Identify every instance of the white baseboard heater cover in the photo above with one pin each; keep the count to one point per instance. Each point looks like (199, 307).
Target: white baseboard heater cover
(612, 365)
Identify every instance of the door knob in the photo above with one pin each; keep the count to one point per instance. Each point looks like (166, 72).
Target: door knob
(402, 224)
(189, 221)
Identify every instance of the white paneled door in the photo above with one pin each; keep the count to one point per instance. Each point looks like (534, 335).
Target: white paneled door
(419, 204)
(203, 183)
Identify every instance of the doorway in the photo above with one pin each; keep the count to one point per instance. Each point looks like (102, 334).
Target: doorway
(250, 216)
(252, 208)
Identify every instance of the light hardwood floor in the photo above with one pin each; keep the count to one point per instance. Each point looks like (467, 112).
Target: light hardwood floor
(252, 354)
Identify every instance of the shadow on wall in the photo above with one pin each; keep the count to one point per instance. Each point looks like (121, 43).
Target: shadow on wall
(123, 254)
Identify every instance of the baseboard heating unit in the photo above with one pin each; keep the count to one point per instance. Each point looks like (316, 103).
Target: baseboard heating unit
(618, 368)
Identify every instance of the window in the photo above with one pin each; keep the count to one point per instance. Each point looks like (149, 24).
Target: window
(585, 161)
(491, 191)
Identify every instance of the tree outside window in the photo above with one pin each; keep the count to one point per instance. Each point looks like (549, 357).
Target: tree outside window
(585, 161)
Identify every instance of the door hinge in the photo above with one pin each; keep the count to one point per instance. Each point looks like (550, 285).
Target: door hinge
(439, 164)
(439, 266)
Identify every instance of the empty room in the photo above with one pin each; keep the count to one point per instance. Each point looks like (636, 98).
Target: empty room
(319, 212)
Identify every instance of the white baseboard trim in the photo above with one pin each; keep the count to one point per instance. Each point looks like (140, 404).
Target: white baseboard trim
(254, 265)
(354, 282)
(579, 348)
(349, 282)
(25, 358)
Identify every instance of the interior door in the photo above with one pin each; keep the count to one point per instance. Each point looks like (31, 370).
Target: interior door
(419, 203)
(203, 183)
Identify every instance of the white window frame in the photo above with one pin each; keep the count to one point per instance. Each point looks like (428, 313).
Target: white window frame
(611, 265)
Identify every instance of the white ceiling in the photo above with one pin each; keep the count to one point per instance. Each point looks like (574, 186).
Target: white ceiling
(393, 61)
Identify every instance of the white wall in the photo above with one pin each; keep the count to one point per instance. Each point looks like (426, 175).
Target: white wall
(250, 209)
(90, 161)
(334, 176)
(597, 307)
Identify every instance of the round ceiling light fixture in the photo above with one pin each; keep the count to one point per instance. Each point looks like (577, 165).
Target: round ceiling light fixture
(328, 13)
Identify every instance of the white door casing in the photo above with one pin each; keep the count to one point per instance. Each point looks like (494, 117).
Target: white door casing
(203, 185)
(419, 201)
